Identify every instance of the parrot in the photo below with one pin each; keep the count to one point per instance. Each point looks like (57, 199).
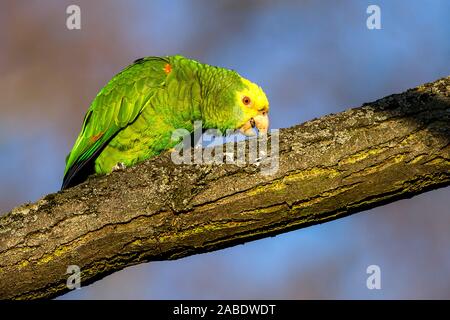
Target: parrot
(133, 116)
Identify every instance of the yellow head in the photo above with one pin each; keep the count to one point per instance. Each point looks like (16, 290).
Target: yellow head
(255, 107)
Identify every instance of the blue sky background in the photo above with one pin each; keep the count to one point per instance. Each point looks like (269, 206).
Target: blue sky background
(311, 57)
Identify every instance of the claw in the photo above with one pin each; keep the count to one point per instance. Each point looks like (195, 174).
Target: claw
(119, 166)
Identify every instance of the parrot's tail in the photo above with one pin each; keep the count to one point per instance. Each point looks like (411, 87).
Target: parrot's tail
(81, 170)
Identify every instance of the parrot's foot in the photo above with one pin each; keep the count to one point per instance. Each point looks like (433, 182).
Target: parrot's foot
(119, 166)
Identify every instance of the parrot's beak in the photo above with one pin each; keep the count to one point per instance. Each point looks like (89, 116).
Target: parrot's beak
(261, 122)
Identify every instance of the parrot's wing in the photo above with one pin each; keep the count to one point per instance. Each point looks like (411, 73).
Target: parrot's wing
(116, 106)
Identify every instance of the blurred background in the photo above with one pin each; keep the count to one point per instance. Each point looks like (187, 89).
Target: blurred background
(311, 57)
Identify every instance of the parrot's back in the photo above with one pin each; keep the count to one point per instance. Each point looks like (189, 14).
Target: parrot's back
(124, 118)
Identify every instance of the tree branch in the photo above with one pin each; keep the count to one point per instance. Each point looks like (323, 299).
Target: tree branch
(330, 167)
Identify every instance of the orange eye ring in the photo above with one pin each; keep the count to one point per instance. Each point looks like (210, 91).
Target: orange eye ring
(246, 100)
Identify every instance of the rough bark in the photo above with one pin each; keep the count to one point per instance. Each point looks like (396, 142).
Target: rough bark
(330, 167)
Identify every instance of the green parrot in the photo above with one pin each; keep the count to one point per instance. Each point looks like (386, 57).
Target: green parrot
(132, 118)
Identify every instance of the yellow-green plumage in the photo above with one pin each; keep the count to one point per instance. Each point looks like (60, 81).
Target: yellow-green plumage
(132, 118)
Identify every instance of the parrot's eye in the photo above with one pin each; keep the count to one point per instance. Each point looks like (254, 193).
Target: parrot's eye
(246, 100)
